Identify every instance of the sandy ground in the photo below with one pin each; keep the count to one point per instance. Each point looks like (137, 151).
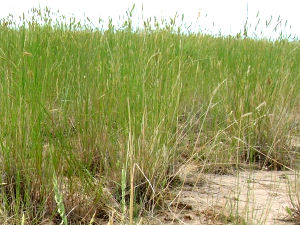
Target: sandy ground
(247, 197)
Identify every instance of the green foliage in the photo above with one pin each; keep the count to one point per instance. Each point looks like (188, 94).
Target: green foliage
(59, 201)
(76, 100)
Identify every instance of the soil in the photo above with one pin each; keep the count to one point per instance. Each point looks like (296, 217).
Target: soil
(246, 197)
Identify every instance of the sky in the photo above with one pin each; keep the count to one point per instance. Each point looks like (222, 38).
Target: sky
(226, 17)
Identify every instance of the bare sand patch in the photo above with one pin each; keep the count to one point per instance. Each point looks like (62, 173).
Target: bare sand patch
(244, 197)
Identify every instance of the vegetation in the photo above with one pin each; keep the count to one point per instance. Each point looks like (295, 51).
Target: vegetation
(94, 122)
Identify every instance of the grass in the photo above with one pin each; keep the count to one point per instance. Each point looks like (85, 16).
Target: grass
(111, 112)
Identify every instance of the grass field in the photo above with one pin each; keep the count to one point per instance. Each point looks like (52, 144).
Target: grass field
(96, 121)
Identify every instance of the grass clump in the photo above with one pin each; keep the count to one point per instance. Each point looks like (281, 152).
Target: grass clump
(114, 110)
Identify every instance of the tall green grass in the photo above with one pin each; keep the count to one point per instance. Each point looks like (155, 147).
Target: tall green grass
(106, 110)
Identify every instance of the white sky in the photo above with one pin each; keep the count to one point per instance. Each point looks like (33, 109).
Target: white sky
(225, 16)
